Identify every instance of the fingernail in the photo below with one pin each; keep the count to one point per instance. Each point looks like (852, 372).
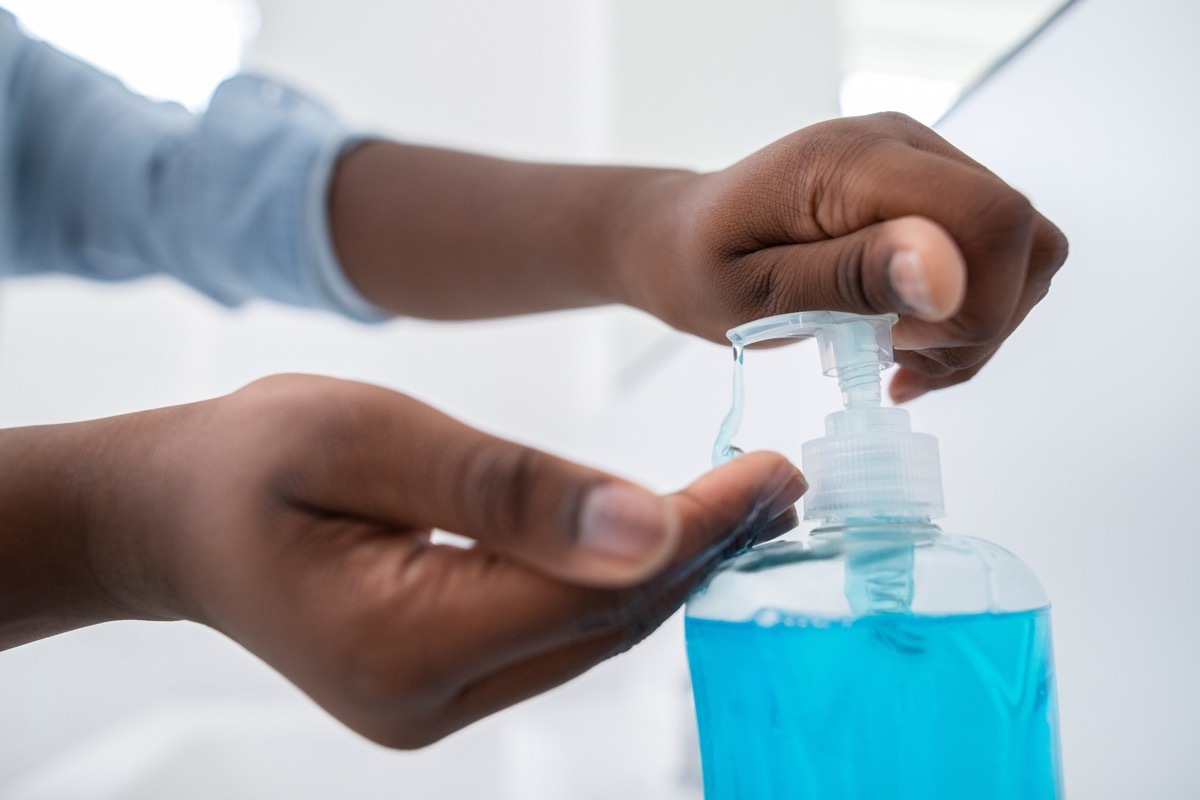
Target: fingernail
(786, 522)
(906, 271)
(787, 494)
(622, 521)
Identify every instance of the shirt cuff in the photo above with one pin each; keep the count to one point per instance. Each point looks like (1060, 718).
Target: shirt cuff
(328, 276)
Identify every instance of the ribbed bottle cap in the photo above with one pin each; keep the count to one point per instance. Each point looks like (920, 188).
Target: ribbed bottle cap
(870, 464)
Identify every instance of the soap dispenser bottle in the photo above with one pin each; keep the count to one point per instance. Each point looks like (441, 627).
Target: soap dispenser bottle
(878, 657)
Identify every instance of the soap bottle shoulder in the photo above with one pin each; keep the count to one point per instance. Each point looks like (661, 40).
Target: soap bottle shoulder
(809, 575)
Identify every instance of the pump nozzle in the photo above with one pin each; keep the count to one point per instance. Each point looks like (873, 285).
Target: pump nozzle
(869, 464)
(854, 347)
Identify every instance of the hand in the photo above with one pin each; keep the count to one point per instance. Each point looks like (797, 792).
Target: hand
(295, 517)
(870, 215)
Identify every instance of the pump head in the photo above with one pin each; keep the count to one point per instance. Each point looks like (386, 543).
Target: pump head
(870, 464)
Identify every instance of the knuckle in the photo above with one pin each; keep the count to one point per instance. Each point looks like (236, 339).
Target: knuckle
(1004, 221)
(498, 486)
(979, 333)
(984, 330)
(1060, 247)
(1013, 209)
(956, 377)
(961, 376)
(895, 119)
(1051, 249)
(922, 362)
(957, 359)
(854, 291)
(851, 287)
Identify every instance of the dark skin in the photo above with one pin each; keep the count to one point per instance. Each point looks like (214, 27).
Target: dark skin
(294, 515)
(810, 222)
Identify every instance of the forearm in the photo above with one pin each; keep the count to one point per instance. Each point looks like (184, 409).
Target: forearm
(450, 235)
(63, 565)
(46, 584)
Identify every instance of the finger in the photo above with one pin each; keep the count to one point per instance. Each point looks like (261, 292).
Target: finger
(989, 222)
(396, 460)
(908, 265)
(504, 688)
(1048, 252)
(526, 677)
(566, 520)
(907, 384)
(1048, 255)
(1050, 246)
(392, 459)
(473, 613)
(786, 522)
(719, 514)
(942, 244)
(928, 370)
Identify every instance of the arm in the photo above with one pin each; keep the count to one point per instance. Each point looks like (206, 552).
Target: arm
(450, 235)
(871, 215)
(294, 517)
(47, 583)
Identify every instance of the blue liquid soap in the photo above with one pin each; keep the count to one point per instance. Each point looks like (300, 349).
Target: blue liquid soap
(897, 707)
(878, 657)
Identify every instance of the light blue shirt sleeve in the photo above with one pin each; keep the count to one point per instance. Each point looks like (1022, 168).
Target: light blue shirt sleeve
(100, 182)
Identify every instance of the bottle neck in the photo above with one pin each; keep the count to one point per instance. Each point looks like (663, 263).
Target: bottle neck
(877, 526)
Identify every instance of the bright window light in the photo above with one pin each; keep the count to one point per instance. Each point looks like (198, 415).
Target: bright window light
(165, 49)
(923, 99)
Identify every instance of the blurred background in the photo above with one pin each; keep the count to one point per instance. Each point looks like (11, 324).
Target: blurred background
(1077, 448)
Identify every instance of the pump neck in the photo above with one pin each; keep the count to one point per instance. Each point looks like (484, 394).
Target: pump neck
(870, 464)
(860, 385)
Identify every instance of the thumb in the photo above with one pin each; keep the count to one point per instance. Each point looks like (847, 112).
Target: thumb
(909, 265)
(591, 528)
(397, 461)
(562, 518)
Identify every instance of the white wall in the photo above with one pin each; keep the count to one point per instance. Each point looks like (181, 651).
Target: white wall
(1079, 447)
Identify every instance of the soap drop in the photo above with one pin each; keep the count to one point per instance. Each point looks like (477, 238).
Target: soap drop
(724, 449)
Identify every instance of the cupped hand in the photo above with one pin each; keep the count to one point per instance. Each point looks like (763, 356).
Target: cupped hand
(871, 215)
(295, 516)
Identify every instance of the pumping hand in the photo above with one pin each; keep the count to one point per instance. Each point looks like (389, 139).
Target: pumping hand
(869, 215)
(295, 517)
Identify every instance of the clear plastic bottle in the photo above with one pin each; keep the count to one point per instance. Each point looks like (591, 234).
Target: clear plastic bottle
(879, 657)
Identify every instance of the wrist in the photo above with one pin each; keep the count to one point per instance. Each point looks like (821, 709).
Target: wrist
(58, 569)
(654, 244)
